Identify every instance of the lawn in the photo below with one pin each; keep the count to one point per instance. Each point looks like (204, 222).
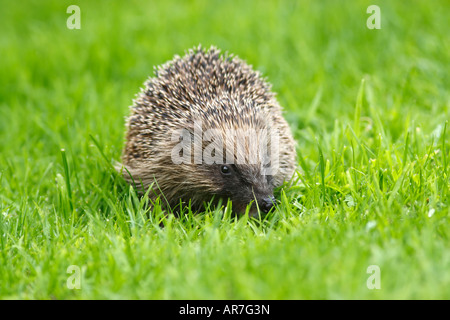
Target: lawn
(368, 219)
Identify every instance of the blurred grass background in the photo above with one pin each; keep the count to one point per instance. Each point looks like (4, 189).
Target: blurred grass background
(59, 86)
(305, 49)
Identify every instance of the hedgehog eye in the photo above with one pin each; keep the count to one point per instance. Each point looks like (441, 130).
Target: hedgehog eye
(226, 170)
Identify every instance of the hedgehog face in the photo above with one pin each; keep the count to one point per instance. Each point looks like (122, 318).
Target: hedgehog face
(239, 163)
(243, 184)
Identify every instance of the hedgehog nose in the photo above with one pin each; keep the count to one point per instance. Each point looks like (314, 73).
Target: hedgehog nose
(267, 204)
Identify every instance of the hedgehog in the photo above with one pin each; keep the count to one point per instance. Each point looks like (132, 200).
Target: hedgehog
(207, 128)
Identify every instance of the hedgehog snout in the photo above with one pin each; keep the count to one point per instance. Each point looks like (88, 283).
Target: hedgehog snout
(267, 203)
(261, 201)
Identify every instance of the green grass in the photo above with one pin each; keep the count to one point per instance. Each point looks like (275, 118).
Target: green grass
(368, 108)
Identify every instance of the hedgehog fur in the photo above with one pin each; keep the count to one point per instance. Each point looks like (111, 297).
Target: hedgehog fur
(221, 92)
